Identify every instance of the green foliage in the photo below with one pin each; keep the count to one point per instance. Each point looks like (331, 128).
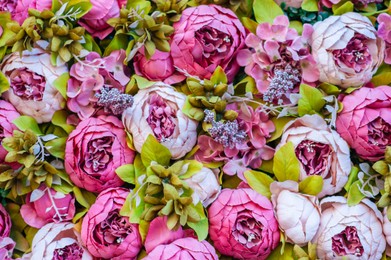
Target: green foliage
(266, 10)
(286, 166)
(259, 181)
(311, 185)
(311, 101)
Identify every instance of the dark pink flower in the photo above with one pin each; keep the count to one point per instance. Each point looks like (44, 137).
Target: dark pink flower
(7, 114)
(5, 222)
(19, 8)
(384, 32)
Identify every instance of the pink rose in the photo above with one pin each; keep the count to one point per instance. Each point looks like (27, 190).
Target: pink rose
(7, 114)
(94, 150)
(183, 248)
(5, 222)
(205, 37)
(45, 205)
(159, 67)
(106, 233)
(365, 121)
(242, 224)
(32, 77)
(88, 78)
(95, 21)
(279, 60)
(19, 8)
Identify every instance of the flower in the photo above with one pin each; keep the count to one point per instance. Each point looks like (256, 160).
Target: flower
(387, 227)
(94, 150)
(58, 241)
(45, 205)
(357, 3)
(90, 78)
(364, 122)
(205, 37)
(205, 185)
(351, 231)
(5, 222)
(183, 248)
(19, 8)
(242, 224)
(279, 60)
(298, 215)
(7, 114)
(320, 151)
(351, 60)
(106, 233)
(384, 32)
(157, 110)
(7, 246)
(159, 67)
(32, 79)
(95, 21)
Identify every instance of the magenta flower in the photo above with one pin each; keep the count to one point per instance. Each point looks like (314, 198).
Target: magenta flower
(5, 222)
(384, 32)
(279, 60)
(19, 8)
(7, 114)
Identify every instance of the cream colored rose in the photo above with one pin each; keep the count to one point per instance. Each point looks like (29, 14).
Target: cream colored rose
(347, 49)
(31, 78)
(157, 110)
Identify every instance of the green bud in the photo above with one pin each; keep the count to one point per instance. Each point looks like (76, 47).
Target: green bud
(220, 106)
(230, 115)
(220, 89)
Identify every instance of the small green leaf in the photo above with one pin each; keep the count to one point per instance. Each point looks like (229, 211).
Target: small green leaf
(56, 147)
(119, 41)
(297, 25)
(381, 167)
(266, 10)
(201, 227)
(259, 181)
(26, 122)
(311, 185)
(91, 44)
(329, 89)
(249, 24)
(286, 254)
(341, 8)
(279, 124)
(152, 150)
(61, 84)
(4, 83)
(310, 5)
(353, 176)
(21, 242)
(60, 119)
(82, 6)
(80, 197)
(143, 82)
(354, 194)
(126, 173)
(286, 166)
(381, 79)
(311, 101)
(219, 76)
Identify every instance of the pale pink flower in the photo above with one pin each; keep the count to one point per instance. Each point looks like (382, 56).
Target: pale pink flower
(7, 246)
(384, 32)
(5, 222)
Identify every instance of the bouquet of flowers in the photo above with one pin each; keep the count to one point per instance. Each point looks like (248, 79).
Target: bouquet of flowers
(195, 129)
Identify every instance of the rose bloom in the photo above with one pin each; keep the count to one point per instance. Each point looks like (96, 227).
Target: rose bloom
(347, 50)
(95, 21)
(89, 77)
(242, 224)
(384, 32)
(353, 232)
(298, 215)
(387, 227)
(19, 8)
(7, 114)
(364, 121)
(205, 37)
(31, 78)
(183, 248)
(5, 222)
(159, 67)
(279, 60)
(357, 3)
(94, 150)
(7, 246)
(105, 232)
(320, 151)
(157, 110)
(45, 205)
(57, 241)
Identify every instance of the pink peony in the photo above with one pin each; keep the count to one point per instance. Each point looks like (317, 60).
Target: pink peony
(45, 205)
(205, 37)
(32, 77)
(19, 8)
(106, 233)
(5, 222)
(7, 246)
(94, 150)
(159, 67)
(279, 60)
(384, 32)
(347, 50)
(242, 224)
(182, 249)
(89, 77)
(365, 121)
(95, 21)
(7, 114)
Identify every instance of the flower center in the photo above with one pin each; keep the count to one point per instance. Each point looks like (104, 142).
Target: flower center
(313, 156)
(27, 84)
(247, 230)
(160, 118)
(70, 252)
(113, 230)
(8, 5)
(285, 79)
(215, 44)
(379, 132)
(99, 153)
(347, 243)
(355, 55)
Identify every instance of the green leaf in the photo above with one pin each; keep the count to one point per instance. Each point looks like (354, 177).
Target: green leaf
(143, 229)
(219, 76)
(297, 25)
(193, 167)
(192, 112)
(60, 119)
(91, 44)
(279, 123)
(137, 205)
(311, 101)
(341, 8)
(249, 24)
(381, 79)
(329, 89)
(143, 82)
(201, 227)
(354, 194)
(21, 242)
(80, 197)
(120, 41)
(353, 176)
(56, 147)
(82, 5)
(126, 173)
(259, 181)
(381, 167)
(26, 122)
(4, 83)
(285, 165)
(310, 5)
(152, 150)
(266, 10)
(61, 84)
(287, 254)
(311, 185)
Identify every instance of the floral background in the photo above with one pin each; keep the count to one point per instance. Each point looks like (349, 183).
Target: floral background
(195, 129)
